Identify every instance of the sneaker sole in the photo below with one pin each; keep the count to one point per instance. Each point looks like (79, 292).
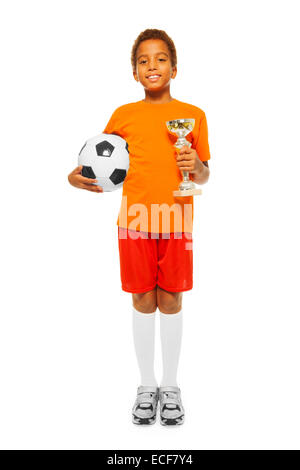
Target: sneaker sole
(143, 421)
(172, 422)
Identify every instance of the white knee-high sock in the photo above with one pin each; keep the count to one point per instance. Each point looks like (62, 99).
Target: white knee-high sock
(170, 334)
(144, 341)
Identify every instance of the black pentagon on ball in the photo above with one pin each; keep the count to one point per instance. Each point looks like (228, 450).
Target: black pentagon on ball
(87, 171)
(104, 149)
(127, 147)
(118, 176)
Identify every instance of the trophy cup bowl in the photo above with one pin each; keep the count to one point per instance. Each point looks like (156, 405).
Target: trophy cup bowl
(181, 128)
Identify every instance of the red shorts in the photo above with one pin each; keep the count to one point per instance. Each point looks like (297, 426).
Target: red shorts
(146, 262)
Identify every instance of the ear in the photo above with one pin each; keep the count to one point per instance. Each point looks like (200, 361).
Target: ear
(174, 72)
(135, 75)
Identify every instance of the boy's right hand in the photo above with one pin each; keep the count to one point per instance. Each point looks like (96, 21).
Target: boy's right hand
(76, 179)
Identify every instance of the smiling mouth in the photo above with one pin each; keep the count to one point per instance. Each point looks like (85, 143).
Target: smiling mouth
(153, 78)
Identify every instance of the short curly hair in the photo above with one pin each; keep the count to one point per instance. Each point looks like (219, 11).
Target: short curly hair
(153, 34)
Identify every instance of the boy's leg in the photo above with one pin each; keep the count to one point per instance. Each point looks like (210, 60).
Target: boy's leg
(175, 275)
(168, 302)
(170, 307)
(143, 322)
(145, 302)
(138, 269)
(145, 405)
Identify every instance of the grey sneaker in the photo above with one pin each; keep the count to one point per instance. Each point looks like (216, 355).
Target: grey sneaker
(171, 409)
(145, 406)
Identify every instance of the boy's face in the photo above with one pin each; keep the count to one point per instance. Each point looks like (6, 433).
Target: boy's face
(153, 58)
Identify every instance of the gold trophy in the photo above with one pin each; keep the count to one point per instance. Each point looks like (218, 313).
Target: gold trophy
(181, 128)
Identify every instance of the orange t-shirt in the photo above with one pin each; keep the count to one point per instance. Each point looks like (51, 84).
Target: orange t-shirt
(148, 203)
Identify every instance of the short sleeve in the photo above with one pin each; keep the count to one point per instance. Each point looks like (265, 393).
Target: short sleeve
(201, 144)
(114, 125)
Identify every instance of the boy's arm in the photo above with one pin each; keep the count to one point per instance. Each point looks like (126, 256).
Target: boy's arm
(201, 174)
(188, 160)
(201, 154)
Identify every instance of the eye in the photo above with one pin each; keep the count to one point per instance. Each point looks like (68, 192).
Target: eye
(143, 61)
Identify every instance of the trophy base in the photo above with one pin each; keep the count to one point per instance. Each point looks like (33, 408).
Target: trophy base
(187, 192)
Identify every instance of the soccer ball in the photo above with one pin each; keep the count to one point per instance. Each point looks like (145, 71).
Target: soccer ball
(105, 157)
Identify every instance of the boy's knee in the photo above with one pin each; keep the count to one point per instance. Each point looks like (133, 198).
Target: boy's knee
(145, 302)
(169, 302)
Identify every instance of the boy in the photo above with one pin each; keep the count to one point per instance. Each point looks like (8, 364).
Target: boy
(156, 257)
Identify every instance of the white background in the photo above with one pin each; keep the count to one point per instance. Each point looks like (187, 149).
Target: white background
(68, 367)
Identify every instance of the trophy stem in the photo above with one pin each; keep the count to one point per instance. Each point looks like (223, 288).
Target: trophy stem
(186, 183)
(186, 176)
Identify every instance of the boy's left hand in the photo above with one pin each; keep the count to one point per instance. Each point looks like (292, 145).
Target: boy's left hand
(188, 160)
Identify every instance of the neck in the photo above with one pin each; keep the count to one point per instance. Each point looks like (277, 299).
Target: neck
(158, 98)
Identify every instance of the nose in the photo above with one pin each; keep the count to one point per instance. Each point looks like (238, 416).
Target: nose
(152, 64)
